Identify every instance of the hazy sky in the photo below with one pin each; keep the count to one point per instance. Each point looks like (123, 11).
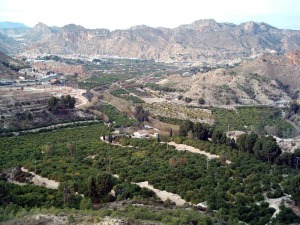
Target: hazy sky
(122, 14)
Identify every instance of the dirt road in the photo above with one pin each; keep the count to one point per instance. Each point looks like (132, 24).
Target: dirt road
(163, 195)
(183, 147)
(42, 181)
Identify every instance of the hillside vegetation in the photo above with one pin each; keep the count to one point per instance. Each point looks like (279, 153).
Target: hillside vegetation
(65, 156)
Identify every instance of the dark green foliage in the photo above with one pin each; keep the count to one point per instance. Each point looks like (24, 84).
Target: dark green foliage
(286, 158)
(134, 99)
(157, 87)
(12, 66)
(260, 120)
(86, 204)
(123, 93)
(118, 118)
(179, 97)
(264, 148)
(294, 108)
(218, 137)
(99, 186)
(188, 100)
(66, 190)
(67, 101)
(103, 80)
(54, 104)
(174, 121)
(294, 188)
(141, 114)
(254, 214)
(127, 190)
(185, 127)
(201, 131)
(231, 189)
(286, 216)
(201, 101)
(28, 195)
(250, 142)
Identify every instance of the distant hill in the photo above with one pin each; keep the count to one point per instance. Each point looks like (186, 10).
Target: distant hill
(265, 80)
(12, 25)
(203, 41)
(8, 44)
(9, 67)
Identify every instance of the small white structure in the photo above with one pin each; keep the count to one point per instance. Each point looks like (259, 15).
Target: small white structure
(148, 127)
(155, 135)
(141, 134)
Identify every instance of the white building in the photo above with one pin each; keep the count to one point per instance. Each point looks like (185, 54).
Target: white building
(141, 134)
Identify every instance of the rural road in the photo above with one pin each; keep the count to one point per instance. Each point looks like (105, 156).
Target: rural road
(42, 181)
(163, 195)
(183, 147)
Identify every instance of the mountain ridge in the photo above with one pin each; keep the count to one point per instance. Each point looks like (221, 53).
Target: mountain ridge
(10, 25)
(203, 41)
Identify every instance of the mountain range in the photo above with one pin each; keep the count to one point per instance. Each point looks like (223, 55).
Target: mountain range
(203, 41)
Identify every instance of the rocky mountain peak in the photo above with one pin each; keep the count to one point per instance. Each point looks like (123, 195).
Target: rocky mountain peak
(250, 27)
(206, 25)
(41, 27)
(253, 27)
(72, 28)
(205, 22)
(141, 27)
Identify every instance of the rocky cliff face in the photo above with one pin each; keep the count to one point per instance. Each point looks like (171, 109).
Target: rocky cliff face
(201, 41)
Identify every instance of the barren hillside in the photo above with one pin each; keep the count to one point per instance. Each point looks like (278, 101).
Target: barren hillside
(9, 67)
(268, 79)
(59, 67)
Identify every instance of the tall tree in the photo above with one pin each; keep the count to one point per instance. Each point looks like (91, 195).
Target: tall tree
(241, 141)
(250, 142)
(141, 114)
(295, 189)
(185, 127)
(219, 137)
(200, 131)
(53, 104)
(100, 186)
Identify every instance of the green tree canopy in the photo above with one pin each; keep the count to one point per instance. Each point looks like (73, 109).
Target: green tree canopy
(100, 185)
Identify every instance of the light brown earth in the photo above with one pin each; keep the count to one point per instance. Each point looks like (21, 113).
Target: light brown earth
(183, 147)
(42, 181)
(163, 195)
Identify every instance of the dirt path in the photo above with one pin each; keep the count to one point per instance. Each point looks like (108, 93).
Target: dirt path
(163, 195)
(83, 100)
(183, 147)
(42, 181)
(275, 203)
